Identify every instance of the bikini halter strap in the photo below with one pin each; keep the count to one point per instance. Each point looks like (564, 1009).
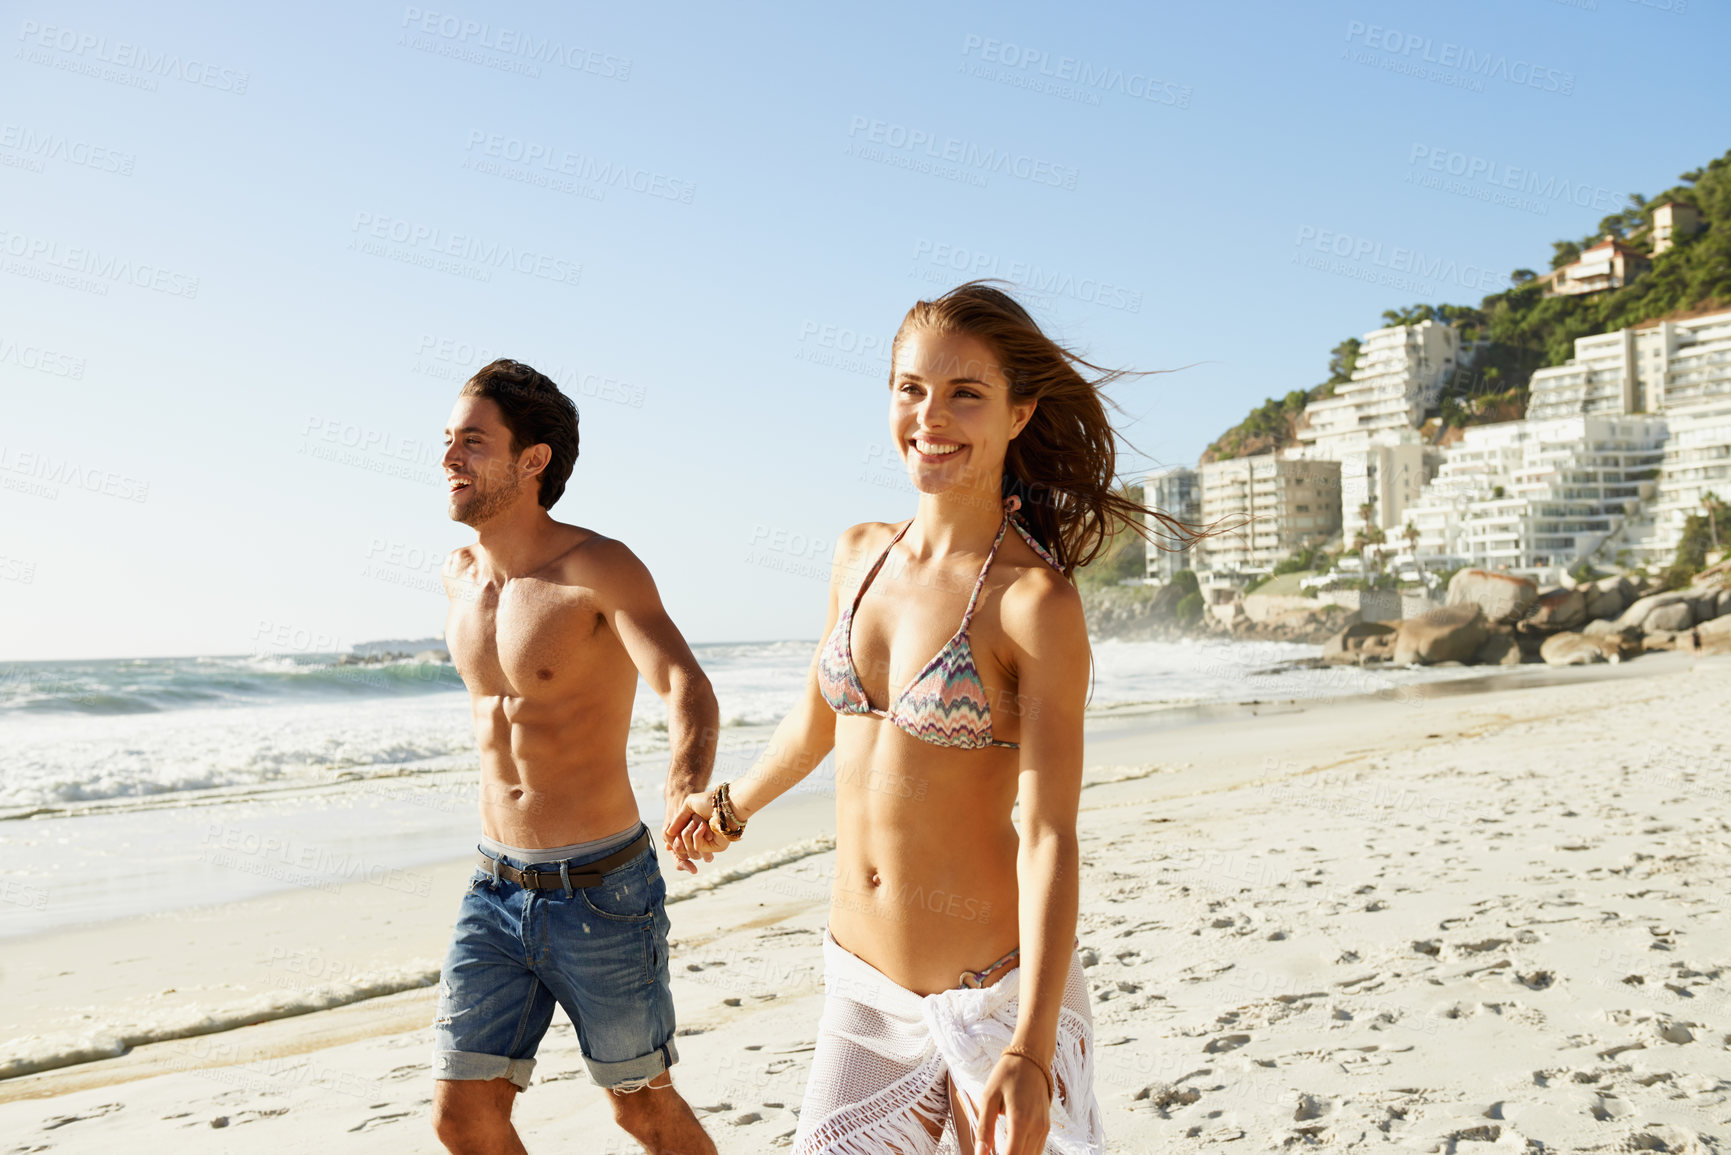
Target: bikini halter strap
(980, 582)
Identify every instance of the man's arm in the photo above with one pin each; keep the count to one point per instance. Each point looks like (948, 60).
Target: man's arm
(633, 610)
(800, 740)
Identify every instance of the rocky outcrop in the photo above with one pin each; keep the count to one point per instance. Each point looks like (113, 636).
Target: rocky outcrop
(1558, 609)
(1636, 614)
(1315, 625)
(1515, 621)
(1347, 647)
(1669, 618)
(1571, 649)
(1451, 634)
(1629, 635)
(1502, 597)
(1606, 598)
(1500, 648)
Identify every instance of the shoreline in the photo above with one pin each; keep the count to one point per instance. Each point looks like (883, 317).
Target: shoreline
(1491, 916)
(283, 978)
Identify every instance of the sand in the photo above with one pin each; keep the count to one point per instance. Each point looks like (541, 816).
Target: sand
(1456, 922)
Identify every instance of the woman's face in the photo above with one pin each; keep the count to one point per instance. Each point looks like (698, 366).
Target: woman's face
(951, 412)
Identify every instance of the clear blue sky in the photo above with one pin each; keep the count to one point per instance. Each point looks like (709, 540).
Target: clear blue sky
(250, 252)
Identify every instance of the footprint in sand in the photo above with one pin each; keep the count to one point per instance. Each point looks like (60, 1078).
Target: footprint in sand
(94, 1113)
(379, 1121)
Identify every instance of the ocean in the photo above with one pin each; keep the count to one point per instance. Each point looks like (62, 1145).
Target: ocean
(81, 732)
(334, 771)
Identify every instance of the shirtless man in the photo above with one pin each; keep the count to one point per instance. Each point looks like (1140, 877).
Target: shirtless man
(549, 626)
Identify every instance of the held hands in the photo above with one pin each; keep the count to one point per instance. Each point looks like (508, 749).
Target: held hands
(688, 835)
(1017, 1090)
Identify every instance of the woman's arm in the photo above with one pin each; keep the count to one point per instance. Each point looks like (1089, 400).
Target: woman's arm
(799, 743)
(1048, 637)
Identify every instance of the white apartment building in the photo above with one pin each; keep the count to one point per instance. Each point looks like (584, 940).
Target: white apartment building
(1681, 369)
(1671, 220)
(1400, 373)
(1696, 462)
(1535, 497)
(1370, 425)
(1278, 505)
(1177, 492)
(1658, 367)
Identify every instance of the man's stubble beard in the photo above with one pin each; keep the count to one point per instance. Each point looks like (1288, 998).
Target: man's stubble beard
(489, 503)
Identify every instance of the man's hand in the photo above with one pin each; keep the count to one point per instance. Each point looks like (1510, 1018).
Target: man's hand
(687, 834)
(1016, 1090)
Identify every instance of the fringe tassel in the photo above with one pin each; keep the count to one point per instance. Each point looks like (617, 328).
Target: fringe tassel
(1073, 1071)
(894, 1120)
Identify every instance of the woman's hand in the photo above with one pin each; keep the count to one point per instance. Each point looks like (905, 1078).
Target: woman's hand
(688, 834)
(1016, 1090)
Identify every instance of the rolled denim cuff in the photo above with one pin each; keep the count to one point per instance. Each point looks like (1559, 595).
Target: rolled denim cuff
(471, 1065)
(633, 1073)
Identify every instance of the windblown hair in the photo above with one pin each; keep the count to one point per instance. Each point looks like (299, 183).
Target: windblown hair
(1063, 463)
(536, 413)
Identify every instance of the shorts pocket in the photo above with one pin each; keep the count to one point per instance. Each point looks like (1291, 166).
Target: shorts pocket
(632, 894)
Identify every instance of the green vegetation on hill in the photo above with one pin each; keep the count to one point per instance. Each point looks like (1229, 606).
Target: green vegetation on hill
(1704, 533)
(1511, 333)
(1124, 558)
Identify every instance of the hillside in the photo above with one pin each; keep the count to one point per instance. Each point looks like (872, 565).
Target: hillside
(1516, 331)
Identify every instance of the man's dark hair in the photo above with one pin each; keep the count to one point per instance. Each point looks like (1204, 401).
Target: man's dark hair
(536, 413)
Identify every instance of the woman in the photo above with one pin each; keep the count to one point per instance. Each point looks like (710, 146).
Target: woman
(955, 993)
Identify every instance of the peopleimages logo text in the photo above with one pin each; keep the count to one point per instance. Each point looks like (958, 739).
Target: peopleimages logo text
(960, 152)
(1136, 85)
(95, 263)
(1526, 180)
(1447, 54)
(1370, 255)
(516, 42)
(467, 247)
(55, 146)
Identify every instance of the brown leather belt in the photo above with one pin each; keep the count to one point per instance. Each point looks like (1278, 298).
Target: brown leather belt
(542, 878)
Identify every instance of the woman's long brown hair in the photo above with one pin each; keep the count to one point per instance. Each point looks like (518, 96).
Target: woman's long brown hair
(1063, 464)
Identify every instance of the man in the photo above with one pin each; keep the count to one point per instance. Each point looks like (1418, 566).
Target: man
(550, 626)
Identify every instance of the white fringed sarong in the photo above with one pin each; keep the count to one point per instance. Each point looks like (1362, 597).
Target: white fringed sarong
(877, 1082)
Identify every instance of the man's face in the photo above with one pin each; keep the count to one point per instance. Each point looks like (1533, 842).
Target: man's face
(481, 472)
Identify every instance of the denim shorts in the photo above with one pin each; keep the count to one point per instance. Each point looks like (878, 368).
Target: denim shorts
(600, 952)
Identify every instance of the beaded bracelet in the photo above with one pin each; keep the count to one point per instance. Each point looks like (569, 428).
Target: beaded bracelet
(722, 819)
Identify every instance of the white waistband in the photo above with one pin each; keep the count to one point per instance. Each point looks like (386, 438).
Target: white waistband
(593, 849)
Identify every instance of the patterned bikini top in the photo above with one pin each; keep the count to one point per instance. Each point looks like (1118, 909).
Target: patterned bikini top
(945, 704)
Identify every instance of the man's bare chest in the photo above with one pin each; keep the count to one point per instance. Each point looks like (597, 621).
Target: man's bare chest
(525, 637)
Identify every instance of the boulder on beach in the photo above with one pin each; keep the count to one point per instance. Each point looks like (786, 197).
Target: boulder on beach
(1717, 628)
(1605, 598)
(1503, 597)
(1703, 605)
(1451, 634)
(1571, 649)
(1377, 648)
(1558, 609)
(1343, 648)
(1724, 603)
(1499, 649)
(1636, 614)
(1669, 618)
